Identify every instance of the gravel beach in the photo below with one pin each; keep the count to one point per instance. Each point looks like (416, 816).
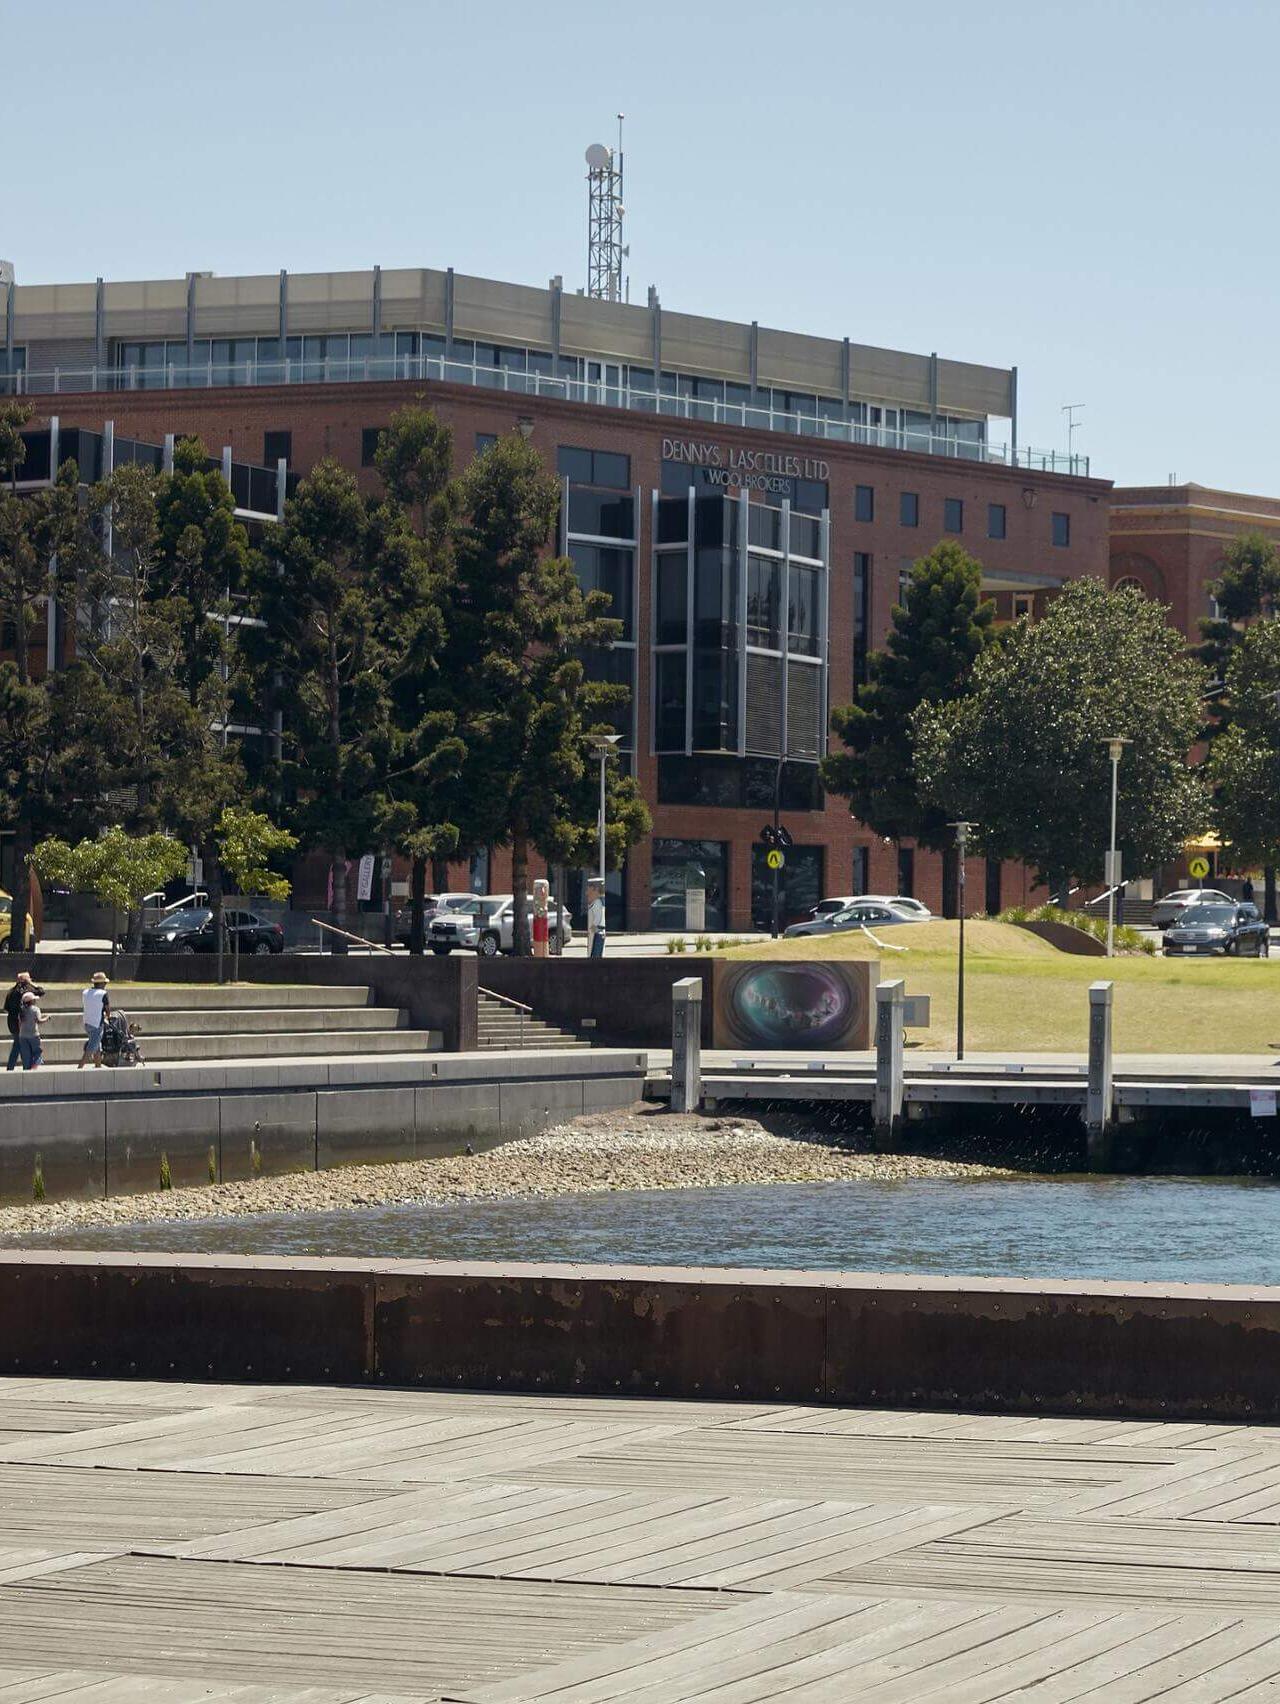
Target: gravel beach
(641, 1148)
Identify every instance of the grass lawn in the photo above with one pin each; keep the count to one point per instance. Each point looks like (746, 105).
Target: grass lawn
(1022, 994)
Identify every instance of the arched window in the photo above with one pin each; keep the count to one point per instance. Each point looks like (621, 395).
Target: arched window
(1130, 583)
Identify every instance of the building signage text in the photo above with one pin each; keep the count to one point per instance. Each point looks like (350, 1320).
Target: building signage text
(739, 469)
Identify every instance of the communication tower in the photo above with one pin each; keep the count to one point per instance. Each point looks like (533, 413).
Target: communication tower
(605, 249)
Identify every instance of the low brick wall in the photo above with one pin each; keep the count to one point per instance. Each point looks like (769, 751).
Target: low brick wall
(1164, 1351)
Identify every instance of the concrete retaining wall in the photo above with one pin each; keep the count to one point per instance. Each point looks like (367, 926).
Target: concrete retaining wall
(1165, 1351)
(105, 1133)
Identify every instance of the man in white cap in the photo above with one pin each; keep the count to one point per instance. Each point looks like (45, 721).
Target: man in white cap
(95, 1006)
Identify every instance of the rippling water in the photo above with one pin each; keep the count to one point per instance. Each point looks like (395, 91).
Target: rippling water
(1190, 1229)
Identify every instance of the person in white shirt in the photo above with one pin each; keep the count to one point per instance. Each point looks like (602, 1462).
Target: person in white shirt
(95, 1005)
(595, 920)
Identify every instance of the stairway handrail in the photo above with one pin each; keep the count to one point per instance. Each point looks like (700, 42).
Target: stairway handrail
(507, 1000)
(375, 946)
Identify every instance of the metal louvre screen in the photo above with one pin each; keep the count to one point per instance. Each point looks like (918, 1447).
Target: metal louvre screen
(804, 709)
(764, 703)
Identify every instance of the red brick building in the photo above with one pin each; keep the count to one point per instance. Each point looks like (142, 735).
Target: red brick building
(750, 498)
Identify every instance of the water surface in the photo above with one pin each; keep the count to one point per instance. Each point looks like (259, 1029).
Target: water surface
(1196, 1230)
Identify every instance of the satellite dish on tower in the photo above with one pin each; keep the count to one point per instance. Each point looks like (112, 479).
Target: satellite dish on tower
(598, 156)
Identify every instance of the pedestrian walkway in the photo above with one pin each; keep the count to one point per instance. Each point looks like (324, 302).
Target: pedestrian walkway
(334, 1545)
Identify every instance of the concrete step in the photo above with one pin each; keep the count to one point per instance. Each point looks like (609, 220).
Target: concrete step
(556, 1043)
(262, 1045)
(241, 1019)
(191, 996)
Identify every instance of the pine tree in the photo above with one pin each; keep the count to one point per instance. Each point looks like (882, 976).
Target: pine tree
(522, 623)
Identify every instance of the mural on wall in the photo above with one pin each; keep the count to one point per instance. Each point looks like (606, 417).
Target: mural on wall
(800, 1004)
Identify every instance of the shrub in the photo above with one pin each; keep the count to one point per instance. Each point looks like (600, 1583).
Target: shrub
(1127, 940)
(37, 1182)
(676, 944)
(166, 1176)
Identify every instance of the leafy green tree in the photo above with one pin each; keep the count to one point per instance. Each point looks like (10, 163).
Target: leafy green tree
(13, 451)
(521, 623)
(1023, 753)
(245, 842)
(118, 868)
(1247, 590)
(1244, 760)
(938, 632)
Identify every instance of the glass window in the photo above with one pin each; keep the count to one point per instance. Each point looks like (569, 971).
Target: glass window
(953, 514)
(906, 871)
(909, 509)
(1062, 530)
(679, 865)
(997, 520)
(806, 536)
(574, 464)
(485, 441)
(669, 701)
(864, 503)
(810, 497)
(861, 871)
(594, 467)
(764, 600)
(672, 605)
(599, 515)
(715, 700)
(764, 526)
(673, 520)
(369, 436)
(714, 600)
(861, 614)
(802, 611)
(276, 446)
(676, 480)
(602, 569)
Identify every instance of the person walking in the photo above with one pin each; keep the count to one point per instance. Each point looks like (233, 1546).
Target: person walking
(13, 1010)
(29, 1020)
(595, 921)
(95, 1005)
(1246, 890)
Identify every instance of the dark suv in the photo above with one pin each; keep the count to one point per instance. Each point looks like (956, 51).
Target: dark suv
(1237, 930)
(191, 931)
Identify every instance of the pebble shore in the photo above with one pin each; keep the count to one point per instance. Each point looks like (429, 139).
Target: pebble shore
(636, 1149)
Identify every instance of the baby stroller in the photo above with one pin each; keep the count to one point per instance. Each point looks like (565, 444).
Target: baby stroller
(119, 1043)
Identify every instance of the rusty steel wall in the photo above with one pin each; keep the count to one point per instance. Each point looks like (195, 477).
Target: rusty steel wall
(1164, 1351)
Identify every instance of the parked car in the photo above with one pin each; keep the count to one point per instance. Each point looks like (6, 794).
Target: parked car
(487, 926)
(1234, 930)
(431, 903)
(902, 902)
(1173, 907)
(191, 931)
(6, 920)
(864, 913)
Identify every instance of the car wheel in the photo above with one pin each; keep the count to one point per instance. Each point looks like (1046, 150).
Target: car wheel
(487, 946)
(261, 947)
(187, 951)
(442, 951)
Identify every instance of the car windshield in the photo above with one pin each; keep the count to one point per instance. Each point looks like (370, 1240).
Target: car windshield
(1202, 915)
(489, 907)
(184, 920)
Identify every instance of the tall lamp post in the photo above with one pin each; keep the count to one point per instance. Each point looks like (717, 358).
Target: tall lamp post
(962, 842)
(603, 746)
(1115, 745)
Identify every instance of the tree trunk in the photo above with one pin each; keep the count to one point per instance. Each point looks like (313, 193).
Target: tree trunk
(22, 845)
(339, 867)
(417, 921)
(1269, 903)
(1060, 889)
(213, 886)
(519, 888)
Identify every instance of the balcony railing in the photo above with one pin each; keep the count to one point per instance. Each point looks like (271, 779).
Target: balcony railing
(383, 368)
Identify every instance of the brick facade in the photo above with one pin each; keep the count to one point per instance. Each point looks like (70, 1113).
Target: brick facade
(329, 420)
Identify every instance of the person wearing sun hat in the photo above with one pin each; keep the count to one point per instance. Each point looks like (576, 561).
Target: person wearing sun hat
(13, 1011)
(95, 1006)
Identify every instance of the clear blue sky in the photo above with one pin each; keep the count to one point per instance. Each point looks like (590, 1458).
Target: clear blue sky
(1085, 189)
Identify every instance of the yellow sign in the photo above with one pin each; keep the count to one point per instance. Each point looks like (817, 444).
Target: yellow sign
(1199, 868)
(774, 860)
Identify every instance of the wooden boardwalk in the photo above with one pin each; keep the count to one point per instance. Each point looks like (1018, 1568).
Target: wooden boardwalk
(164, 1543)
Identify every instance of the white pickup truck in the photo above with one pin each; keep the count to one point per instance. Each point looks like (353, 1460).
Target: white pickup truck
(487, 926)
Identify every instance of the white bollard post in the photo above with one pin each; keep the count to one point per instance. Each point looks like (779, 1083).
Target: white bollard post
(686, 1044)
(1099, 1108)
(889, 1092)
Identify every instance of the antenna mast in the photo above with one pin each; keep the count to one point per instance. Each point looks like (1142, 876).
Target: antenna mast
(605, 250)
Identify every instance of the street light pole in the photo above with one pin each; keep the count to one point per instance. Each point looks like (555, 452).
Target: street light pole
(604, 746)
(1115, 746)
(962, 840)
